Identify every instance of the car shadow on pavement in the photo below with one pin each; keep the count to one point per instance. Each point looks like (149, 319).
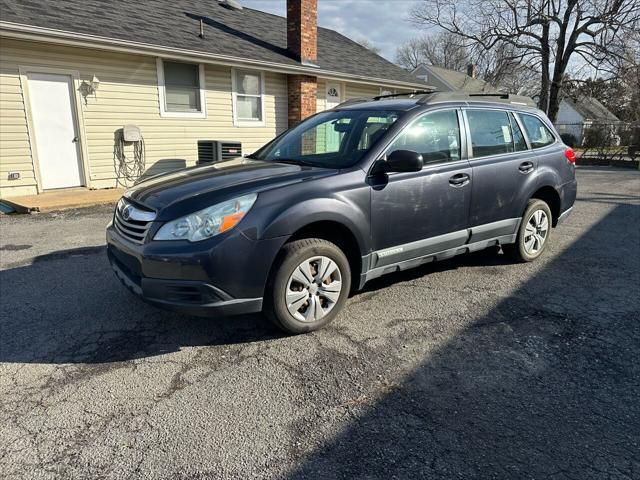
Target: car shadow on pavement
(544, 385)
(68, 307)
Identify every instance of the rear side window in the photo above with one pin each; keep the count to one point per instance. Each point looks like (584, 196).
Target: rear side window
(538, 133)
(491, 132)
(436, 136)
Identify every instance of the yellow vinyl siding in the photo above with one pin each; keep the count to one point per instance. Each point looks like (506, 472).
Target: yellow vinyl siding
(354, 90)
(127, 94)
(15, 150)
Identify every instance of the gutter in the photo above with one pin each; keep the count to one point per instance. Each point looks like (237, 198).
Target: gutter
(83, 40)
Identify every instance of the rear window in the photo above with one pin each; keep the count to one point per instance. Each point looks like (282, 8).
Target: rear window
(491, 132)
(538, 133)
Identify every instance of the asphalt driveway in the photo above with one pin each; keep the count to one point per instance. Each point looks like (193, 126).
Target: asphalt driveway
(471, 368)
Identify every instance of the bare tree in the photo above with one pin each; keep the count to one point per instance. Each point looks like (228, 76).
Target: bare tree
(616, 81)
(446, 50)
(546, 34)
(410, 54)
(500, 67)
(369, 45)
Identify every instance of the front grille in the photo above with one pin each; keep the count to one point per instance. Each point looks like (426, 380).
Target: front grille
(132, 222)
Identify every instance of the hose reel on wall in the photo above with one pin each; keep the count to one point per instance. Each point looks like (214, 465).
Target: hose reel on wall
(128, 155)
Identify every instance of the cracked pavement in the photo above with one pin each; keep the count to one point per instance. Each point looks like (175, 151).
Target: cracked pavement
(469, 368)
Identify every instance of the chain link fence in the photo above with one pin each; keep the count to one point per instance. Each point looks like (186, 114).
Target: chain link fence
(603, 143)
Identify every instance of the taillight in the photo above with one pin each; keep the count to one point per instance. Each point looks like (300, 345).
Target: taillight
(571, 155)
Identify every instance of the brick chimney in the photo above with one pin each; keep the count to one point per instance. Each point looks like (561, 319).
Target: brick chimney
(472, 70)
(302, 30)
(302, 43)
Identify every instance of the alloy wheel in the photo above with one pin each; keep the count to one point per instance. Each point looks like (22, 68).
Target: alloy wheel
(536, 232)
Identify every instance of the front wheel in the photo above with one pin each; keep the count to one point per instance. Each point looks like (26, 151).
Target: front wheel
(309, 285)
(533, 234)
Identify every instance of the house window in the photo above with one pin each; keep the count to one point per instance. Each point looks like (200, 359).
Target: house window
(181, 87)
(248, 97)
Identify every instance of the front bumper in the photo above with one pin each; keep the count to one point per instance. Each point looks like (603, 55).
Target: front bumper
(211, 278)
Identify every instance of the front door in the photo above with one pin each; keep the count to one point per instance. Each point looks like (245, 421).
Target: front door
(418, 213)
(56, 136)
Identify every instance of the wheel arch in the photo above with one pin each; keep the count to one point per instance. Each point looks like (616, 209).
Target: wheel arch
(551, 197)
(338, 234)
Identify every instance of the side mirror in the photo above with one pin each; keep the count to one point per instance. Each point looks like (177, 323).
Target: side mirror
(404, 161)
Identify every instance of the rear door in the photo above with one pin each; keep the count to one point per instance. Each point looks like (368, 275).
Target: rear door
(502, 166)
(414, 214)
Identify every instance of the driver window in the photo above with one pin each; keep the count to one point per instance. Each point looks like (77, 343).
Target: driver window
(436, 136)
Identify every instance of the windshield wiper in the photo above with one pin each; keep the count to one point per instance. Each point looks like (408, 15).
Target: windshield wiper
(293, 161)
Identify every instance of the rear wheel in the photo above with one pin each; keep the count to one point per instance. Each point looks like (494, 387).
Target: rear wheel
(309, 285)
(533, 234)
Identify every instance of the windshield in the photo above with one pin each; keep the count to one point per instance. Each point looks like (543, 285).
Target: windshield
(333, 139)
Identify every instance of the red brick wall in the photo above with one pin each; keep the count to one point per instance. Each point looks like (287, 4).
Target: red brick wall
(303, 95)
(302, 29)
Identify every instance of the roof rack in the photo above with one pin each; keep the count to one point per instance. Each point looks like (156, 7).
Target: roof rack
(353, 101)
(504, 96)
(409, 94)
(514, 99)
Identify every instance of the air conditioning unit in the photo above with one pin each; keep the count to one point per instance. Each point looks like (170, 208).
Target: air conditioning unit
(211, 151)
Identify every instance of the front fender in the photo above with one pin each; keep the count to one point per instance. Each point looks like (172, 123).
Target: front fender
(350, 212)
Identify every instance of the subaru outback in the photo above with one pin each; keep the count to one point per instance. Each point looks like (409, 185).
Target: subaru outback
(370, 187)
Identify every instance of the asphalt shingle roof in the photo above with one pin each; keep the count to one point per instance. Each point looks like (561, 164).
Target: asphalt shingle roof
(463, 82)
(592, 109)
(246, 34)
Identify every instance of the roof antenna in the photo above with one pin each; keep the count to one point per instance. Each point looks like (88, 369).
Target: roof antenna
(201, 29)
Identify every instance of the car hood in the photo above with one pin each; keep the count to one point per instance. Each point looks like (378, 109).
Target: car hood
(192, 189)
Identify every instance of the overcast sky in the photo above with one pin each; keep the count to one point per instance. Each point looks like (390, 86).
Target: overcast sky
(382, 22)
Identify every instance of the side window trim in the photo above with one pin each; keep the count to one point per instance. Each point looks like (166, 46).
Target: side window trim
(462, 136)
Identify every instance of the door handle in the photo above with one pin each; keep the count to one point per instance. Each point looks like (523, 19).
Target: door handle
(75, 140)
(526, 167)
(459, 180)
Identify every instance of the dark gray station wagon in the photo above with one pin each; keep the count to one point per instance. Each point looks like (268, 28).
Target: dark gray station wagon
(371, 187)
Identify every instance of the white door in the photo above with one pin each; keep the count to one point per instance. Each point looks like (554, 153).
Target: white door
(56, 136)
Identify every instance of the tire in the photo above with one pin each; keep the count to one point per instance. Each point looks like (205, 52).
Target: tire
(318, 301)
(530, 246)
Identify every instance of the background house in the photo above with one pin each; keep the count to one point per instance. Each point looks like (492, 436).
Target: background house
(446, 80)
(73, 73)
(577, 116)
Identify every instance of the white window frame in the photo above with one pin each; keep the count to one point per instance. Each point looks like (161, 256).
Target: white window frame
(234, 92)
(162, 94)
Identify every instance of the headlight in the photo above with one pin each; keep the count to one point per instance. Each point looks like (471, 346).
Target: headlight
(208, 222)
